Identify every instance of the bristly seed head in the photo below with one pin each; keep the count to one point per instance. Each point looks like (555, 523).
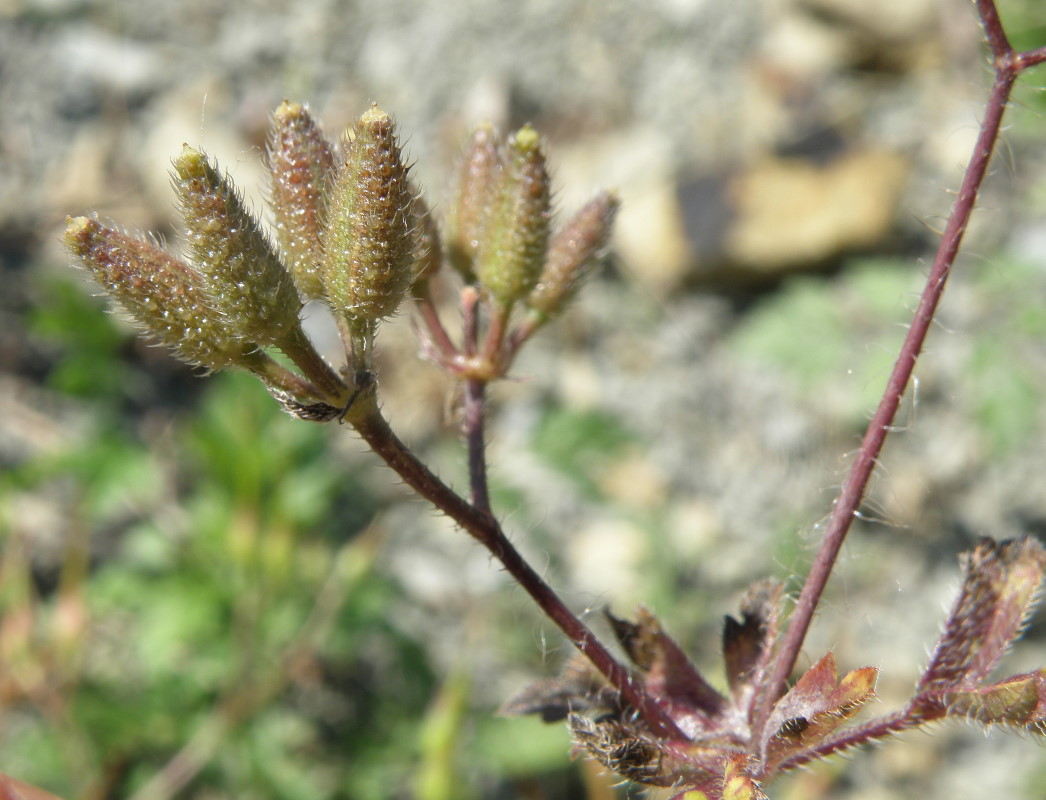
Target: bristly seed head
(514, 240)
(241, 271)
(372, 239)
(163, 294)
(300, 165)
(571, 254)
(478, 174)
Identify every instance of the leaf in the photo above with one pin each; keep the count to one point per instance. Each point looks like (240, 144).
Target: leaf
(1019, 701)
(816, 706)
(578, 688)
(668, 674)
(998, 592)
(748, 644)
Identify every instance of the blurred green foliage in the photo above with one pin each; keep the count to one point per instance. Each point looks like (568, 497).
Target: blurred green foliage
(215, 614)
(853, 326)
(819, 332)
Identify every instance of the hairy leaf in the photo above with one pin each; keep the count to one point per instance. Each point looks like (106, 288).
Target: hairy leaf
(816, 706)
(669, 675)
(998, 592)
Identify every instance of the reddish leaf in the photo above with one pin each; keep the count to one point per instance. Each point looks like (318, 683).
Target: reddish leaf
(816, 706)
(999, 587)
(748, 644)
(1019, 701)
(578, 688)
(669, 675)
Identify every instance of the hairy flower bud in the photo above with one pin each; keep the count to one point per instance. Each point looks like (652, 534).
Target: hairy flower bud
(515, 237)
(240, 269)
(571, 254)
(164, 295)
(478, 175)
(300, 163)
(372, 237)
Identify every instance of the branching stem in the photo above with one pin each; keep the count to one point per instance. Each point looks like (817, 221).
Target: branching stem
(483, 527)
(300, 350)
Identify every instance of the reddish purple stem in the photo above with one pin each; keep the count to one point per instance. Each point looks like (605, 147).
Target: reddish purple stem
(1007, 66)
(375, 431)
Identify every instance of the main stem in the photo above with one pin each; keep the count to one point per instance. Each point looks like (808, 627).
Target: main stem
(374, 429)
(853, 491)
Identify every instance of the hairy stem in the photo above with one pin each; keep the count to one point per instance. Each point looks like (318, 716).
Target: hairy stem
(474, 425)
(300, 350)
(374, 429)
(275, 375)
(475, 440)
(846, 505)
(433, 324)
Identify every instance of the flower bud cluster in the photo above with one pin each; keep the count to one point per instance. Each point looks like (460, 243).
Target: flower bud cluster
(499, 227)
(350, 229)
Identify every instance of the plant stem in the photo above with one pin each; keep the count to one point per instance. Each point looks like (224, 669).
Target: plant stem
(433, 324)
(374, 429)
(274, 374)
(846, 505)
(474, 428)
(300, 350)
(476, 443)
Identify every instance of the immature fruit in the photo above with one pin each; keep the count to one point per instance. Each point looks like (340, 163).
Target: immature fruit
(515, 236)
(571, 254)
(478, 174)
(372, 238)
(164, 295)
(300, 165)
(241, 271)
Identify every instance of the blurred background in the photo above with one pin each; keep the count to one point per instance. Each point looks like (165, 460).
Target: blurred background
(201, 597)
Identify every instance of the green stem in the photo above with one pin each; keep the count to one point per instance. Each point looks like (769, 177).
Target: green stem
(301, 351)
(273, 374)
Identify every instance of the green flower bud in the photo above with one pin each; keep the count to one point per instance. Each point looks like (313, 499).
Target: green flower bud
(164, 295)
(571, 254)
(515, 236)
(300, 163)
(478, 175)
(240, 269)
(372, 236)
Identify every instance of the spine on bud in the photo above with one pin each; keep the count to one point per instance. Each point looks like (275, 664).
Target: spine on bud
(243, 274)
(300, 163)
(164, 295)
(372, 238)
(478, 176)
(571, 254)
(515, 237)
